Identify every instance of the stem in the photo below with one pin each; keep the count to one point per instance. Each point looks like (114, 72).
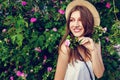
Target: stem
(114, 10)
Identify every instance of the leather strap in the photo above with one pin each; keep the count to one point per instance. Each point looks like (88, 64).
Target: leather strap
(86, 65)
(88, 70)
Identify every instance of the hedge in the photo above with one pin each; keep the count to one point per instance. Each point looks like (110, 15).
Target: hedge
(30, 32)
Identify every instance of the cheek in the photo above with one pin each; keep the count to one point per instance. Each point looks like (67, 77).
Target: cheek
(83, 31)
(71, 24)
(71, 28)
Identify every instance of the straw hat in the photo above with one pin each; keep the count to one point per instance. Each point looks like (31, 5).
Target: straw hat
(87, 4)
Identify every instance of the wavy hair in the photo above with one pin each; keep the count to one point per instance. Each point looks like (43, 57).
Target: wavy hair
(88, 24)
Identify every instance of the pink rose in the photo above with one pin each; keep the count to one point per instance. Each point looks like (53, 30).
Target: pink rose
(20, 66)
(37, 49)
(21, 74)
(54, 29)
(61, 1)
(24, 3)
(67, 42)
(107, 39)
(61, 11)
(11, 78)
(49, 69)
(33, 20)
(104, 29)
(4, 30)
(117, 46)
(108, 5)
(46, 29)
(6, 71)
(45, 58)
(18, 73)
(33, 10)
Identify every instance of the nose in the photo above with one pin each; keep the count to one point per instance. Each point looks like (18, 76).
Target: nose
(77, 24)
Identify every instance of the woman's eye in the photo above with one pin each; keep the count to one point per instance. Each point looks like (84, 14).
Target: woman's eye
(71, 20)
(79, 19)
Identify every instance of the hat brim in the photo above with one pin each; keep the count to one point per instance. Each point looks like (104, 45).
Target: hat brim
(88, 5)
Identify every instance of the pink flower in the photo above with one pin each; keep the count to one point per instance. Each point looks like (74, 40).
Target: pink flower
(49, 69)
(6, 71)
(18, 73)
(33, 10)
(37, 49)
(4, 30)
(108, 5)
(24, 3)
(104, 29)
(21, 74)
(20, 66)
(33, 20)
(117, 46)
(11, 78)
(67, 42)
(8, 40)
(31, 70)
(45, 58)
(61, 11)
(54, 29)
(107, 39)
(101, 1)
(46, 29)
(61, 1)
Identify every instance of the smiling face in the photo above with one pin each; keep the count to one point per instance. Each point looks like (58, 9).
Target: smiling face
(80, 22)
(75, 25)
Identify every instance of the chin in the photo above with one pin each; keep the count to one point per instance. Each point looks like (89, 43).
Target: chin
(77, 35)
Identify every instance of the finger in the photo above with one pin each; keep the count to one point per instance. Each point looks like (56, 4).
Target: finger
(82, 40)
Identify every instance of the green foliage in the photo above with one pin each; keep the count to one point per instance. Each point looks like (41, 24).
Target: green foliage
(72, 42)
(30, 34)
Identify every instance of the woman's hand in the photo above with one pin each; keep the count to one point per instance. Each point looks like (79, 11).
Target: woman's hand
(88, 43)
(96, 57)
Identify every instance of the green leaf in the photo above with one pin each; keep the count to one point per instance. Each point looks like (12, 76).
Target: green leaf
(19, 40)
(13, 38)
(40, 41)
(9, 20)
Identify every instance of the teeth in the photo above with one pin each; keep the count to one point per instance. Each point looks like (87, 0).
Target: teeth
(76, 30)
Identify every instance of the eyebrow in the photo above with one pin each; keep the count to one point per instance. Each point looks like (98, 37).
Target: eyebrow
(73, 17)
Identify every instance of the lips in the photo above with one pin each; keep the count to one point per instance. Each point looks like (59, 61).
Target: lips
(77, 30)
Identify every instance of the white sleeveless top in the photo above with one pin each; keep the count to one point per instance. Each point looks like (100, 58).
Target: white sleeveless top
(79, 71)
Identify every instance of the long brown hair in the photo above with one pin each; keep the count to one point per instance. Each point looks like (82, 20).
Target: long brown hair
(88, 24)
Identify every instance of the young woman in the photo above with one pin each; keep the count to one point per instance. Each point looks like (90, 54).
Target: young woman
(80, 59)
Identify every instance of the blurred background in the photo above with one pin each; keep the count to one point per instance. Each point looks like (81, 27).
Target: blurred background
(30, 32)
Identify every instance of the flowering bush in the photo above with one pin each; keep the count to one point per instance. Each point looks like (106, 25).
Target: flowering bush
(30, 32)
